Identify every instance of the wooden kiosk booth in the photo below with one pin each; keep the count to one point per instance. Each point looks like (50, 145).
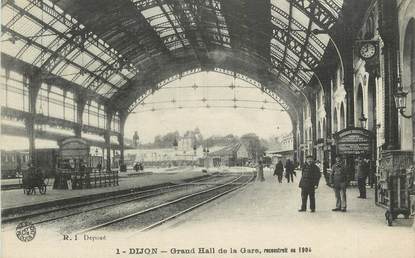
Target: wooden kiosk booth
(75, 170)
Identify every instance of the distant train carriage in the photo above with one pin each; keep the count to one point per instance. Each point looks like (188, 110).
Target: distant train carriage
(16, 161)
(13, 162)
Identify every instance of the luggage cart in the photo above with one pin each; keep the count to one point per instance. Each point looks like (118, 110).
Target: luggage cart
(31, 180)
(397, 198)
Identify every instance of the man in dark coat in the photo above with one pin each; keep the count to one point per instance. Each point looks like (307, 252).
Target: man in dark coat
(289, 170)
(278, 171)
(362, 170)
(310, 178)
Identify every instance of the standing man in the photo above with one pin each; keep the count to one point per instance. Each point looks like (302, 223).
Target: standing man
(289, 170)
(325, 173)
(278, 171)
(260, 170)
(362, 170)
(310, 178)
(339, 176)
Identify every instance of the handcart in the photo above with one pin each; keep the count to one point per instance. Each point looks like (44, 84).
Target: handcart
(33, 179)
(398, 199)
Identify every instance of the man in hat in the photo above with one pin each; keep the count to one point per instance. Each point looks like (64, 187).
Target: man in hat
(339, 176)
(310, 178)
(362, 171)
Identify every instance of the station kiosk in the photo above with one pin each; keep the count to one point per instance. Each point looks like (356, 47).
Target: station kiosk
(75, 170)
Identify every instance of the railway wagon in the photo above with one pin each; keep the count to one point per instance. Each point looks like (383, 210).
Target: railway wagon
(15, 161)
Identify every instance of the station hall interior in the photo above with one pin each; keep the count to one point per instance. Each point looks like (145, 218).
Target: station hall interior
(341, 72)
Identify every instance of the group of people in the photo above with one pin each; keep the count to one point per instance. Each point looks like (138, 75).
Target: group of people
(289, 171)
(338, 181)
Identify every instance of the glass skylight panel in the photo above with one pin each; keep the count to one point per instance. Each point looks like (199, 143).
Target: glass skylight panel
(94, 49)
(44, 16)
(80, 78)
(300, 17)
(59, 26)
(110, 93)
(127, 73)
(331, 6)
(120, 82)
(282, 4)
(81, 58)
(45, 38)
(114, 79)
(174, 45)
(94, 65)
(164, 25)
(67, 72)
(9, 48)
(166, 32)
(305, 76)
(7, 14)
(52, 42)
(103, 89)
(26, 26)
(220, 24)
(30, 54)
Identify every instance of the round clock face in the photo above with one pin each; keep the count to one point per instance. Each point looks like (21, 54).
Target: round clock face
(367, 50)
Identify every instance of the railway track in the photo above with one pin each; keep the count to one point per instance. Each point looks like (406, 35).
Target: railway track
(118, 199)
(109, 202)
(152, 217)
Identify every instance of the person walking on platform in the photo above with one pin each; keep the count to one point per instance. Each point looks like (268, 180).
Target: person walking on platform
(310, 178)
(362, 170)
(339, 178)
(260, 171)
(325, 173)
(278, 171)
(289, 170)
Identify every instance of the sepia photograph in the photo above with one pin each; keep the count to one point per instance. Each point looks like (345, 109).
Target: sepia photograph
(207, 128)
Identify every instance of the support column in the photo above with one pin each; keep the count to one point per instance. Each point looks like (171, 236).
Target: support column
(30, 121)
(313, 112)
(108, 139)
(123, 119)
(389, 32)
(346, 48)
(80, 106)
(327, 133)
(295, 145)
(301, 139)
(30, 132)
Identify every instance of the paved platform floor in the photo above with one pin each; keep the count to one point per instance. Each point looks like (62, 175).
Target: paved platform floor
(16, 198)
(264, 215)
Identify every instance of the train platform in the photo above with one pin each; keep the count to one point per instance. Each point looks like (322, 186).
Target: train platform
(264, 215)
(15, 200)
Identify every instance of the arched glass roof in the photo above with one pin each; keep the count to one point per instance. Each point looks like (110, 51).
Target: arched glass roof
(104, 45)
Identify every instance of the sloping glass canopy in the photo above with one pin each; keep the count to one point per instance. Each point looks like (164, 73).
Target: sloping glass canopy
(104, 45)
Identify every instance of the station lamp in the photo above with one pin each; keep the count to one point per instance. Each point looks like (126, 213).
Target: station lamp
(400, 100)
(400, 95)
